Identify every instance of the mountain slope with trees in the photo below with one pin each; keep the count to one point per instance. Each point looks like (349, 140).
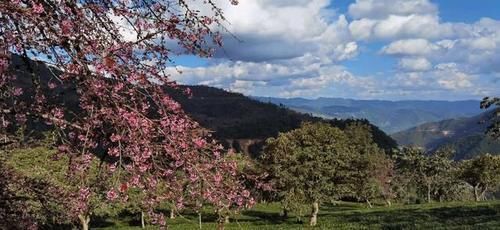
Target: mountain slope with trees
(240, 120)
(466, 136)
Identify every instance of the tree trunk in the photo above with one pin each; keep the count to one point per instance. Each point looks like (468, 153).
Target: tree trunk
(369, 203)
(388, 202)
(220, 220)
(476, 193)
(84, 220)
(226, 219)
(314, 214)
(483, 193)
(220, 225)
(428, 193)
(199, 218)
(172, 213)
(143, 225)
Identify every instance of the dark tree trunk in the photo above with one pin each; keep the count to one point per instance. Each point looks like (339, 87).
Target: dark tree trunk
(284, 213)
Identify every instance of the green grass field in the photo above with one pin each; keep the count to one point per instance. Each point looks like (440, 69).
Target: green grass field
(484, 215)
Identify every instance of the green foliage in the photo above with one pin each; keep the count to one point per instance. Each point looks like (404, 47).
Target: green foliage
(307, 164)
(320, 163)
(494, 128)
(34, 182)
(482, 173)
(429, 175)
(39, 163)
(371, 169)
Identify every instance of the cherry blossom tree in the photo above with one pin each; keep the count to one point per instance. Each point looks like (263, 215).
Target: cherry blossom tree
(111, 55)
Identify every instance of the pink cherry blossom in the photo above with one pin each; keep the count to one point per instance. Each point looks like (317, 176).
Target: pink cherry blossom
(37, 8)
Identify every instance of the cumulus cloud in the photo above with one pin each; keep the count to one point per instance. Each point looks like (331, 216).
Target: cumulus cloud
(379, 9)
(410, 47)
(476, 52)
(287, 80)
(295, 48)
(272, 30)
(415, 64)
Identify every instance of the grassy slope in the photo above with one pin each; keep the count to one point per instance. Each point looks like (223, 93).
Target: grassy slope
(485, 215)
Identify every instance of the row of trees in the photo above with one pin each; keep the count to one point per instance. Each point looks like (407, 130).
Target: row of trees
(318, 163)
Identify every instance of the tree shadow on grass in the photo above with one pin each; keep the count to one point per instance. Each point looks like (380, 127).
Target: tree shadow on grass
(423, 218)
(263, 217)
(101, 222)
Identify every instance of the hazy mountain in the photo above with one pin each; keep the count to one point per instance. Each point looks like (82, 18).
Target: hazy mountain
(390, 116)
(464, 135)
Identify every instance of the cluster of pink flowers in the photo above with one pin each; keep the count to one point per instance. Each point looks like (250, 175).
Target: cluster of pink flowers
(122, 114)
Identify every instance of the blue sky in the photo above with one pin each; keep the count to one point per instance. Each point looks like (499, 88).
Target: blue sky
(364, 49)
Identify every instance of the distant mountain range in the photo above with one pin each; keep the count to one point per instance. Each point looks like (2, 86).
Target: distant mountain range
(390, 116)
(464, 135)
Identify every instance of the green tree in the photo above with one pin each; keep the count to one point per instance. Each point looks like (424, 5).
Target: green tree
(428, 172)
(494, 128)
(482, 173)
(371, 169)
(308, 165)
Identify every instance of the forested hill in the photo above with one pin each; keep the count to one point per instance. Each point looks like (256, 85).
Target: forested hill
(464, 135)
(239, 121)
(235, 116)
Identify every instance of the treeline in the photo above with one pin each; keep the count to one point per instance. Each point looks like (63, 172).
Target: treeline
(319, 164)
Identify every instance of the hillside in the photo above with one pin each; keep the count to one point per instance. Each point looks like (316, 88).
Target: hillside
(464, 135)
(244, 123)
(390, 116)
(238, 121)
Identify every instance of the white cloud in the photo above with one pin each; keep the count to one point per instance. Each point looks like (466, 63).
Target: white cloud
(415, 64)
(450, 77)
(410, 47)
(296, 48)
(381, 8)
(273, 30)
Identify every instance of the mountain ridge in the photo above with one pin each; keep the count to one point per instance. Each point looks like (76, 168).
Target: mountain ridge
(466, 136)
(390, 116)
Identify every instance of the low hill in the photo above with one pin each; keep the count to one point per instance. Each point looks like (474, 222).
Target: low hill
(464, 135)
(390, 116)
(244, 122)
